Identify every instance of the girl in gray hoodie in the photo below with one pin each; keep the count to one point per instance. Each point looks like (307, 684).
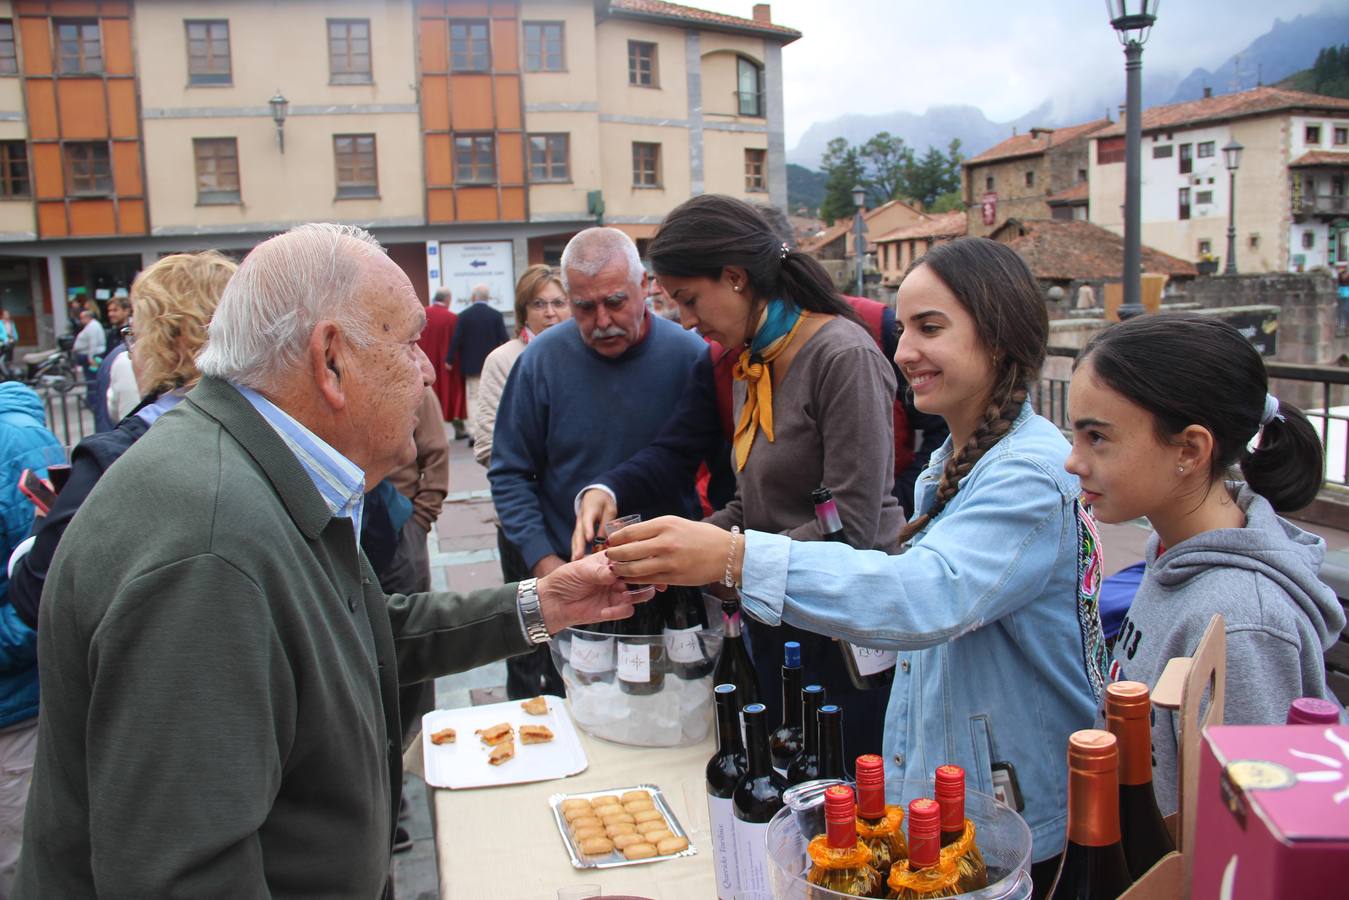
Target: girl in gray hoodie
(1163, 408)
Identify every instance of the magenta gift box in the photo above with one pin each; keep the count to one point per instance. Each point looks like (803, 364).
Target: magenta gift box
(1273, 814)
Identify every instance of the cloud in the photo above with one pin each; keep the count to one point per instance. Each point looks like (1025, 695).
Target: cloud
(876, 56)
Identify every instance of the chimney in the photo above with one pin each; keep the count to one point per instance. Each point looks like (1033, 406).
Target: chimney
(1208, 93)
(763, 13)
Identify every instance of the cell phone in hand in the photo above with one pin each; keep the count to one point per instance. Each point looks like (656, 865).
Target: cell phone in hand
(37, 489)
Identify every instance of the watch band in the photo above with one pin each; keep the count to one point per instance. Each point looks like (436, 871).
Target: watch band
(531, 614)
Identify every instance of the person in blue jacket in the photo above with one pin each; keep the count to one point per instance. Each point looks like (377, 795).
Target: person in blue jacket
(992, 601)
(25, 443)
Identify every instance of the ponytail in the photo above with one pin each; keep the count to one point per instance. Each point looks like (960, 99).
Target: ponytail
(1288, 466)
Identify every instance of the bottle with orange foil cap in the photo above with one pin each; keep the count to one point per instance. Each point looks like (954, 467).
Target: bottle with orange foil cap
(1128, 714)
(924, 873)
(879, 826)
(839, 861)
(1093, 866)
(957, 832)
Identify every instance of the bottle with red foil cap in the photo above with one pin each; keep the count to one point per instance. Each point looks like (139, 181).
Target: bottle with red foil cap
(957, 832)
(924, 873)
(1092, 866)
(1128, 716)
(879, 826)
(839, 861)
(1313, 711)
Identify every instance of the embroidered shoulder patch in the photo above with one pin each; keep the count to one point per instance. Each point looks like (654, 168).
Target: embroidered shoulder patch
(1090, 562)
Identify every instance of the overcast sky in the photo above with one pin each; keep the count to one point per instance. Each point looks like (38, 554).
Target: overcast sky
(1004, 56)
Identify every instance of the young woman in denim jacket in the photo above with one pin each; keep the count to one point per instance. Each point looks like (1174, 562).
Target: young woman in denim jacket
(993, 603)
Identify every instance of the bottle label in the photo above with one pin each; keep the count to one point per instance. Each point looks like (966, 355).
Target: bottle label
(634, 662)
(732, 624)
(593, 657)
(751, 840)
(721, 815)
(871, 661)
(682, 645)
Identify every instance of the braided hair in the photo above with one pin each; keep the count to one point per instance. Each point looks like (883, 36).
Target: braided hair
(996, 288)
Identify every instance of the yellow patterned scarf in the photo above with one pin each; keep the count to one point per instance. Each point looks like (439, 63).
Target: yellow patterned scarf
(778, 324)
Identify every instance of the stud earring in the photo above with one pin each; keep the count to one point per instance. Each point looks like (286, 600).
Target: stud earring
(736, 288)
(1180, 468)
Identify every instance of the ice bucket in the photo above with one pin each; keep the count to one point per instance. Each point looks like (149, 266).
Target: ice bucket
(1002, 835)
(672, 707)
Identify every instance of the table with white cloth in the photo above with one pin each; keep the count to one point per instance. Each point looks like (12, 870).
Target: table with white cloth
(503, 842)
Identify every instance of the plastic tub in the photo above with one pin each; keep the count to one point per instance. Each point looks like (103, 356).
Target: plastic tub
(670, 707)
(1003, 838)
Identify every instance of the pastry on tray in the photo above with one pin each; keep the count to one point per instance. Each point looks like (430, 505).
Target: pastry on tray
(538, 706)
(496, 734)
(535, 734)
(443, 736)
(502, 753)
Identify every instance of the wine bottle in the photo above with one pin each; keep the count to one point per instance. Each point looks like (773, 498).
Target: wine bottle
(640, 659)
(867, 668)
(1310, 711)
(924, 873)
(1093, 865)
(758, 796)
(724, 770)
(685, 629)
(879, 826)
(832, 763)
(733, 664)
(957, 832)
(839, 861)
(592, 646)
(786, 740)
(1128, 716)
(806, 765)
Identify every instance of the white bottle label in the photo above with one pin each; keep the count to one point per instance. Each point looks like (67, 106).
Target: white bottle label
(751, 841)
(682, 644)
(871, 661)
(634, 662)
(594, 657)
(721, 815)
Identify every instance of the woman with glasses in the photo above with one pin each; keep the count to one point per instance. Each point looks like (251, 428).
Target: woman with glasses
(172, 302)
(540, 303)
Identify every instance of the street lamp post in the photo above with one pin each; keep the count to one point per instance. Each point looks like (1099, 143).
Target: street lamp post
(1232, 159)
(1132, 20)
(859, 244)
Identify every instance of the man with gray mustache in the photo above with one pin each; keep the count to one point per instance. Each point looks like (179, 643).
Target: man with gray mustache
(586, 395)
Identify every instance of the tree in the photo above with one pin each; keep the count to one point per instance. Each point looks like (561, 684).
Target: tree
(886, 162)
(842, 167)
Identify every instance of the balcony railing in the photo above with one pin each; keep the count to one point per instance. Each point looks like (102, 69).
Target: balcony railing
(1321, 204)
(1322, 392)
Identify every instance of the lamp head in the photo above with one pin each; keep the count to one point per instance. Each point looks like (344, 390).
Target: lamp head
(859, 196)
(279, 105)
(1232, 155)
(1132, 18)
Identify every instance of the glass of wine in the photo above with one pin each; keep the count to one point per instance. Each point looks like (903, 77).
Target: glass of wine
(636, 592)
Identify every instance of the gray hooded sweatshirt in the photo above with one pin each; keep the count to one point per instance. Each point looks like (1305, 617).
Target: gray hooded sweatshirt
(1280, 621)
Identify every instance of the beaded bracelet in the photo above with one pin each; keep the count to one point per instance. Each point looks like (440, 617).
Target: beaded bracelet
(728, 579)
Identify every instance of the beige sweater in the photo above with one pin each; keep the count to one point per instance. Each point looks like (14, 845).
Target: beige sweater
(495, 370)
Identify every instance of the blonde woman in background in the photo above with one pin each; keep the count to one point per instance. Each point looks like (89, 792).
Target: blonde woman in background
(540, 303)
(171, 304)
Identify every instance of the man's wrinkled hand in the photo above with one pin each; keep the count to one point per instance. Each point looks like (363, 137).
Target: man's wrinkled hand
(581, 592)
(597, 507)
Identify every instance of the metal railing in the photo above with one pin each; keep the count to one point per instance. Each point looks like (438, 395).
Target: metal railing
(1321, 204)
(68, 415)
(1321, 392)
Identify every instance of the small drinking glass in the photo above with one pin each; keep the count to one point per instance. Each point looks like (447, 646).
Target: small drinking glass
(696, 819)
(579, 892)
(635, 592)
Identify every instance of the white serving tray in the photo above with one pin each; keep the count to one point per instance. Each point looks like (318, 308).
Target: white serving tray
(463, 764)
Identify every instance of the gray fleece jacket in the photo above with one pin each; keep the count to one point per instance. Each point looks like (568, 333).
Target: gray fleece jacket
(1280, 621)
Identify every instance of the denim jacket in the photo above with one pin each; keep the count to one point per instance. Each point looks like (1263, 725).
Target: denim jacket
(999, 661)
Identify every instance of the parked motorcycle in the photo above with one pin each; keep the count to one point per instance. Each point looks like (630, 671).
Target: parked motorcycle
(53, 369)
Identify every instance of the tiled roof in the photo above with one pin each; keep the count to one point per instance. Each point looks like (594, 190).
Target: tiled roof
(1063, 250)
(1255, 102)
(940, 225)
(844, 226)
(1037, 141)
(1078, 193)
(1320, 158)
(657, 9)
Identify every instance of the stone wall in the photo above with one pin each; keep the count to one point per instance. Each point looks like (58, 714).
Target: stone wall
(1308, 310)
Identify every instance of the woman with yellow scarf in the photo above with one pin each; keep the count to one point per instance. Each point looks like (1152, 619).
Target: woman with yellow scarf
(813, 401)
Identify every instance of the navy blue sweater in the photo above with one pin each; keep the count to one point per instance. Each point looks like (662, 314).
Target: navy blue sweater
(568, 415)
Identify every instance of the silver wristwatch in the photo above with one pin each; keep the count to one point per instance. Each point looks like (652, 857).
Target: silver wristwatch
(531, 615)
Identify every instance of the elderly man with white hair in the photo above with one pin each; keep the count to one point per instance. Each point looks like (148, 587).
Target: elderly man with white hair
(585, 395)
(219, 714)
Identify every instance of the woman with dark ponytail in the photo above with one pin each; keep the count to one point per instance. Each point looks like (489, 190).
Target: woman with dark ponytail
(1164, 409)
(992, 605)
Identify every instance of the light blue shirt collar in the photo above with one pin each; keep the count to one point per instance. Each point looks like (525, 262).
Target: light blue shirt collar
(162, 404)
(339, 481)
